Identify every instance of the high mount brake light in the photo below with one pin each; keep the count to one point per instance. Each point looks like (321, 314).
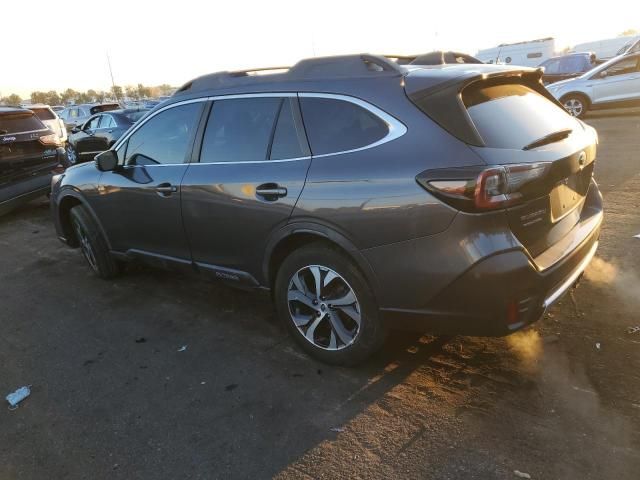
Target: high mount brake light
(474, 189)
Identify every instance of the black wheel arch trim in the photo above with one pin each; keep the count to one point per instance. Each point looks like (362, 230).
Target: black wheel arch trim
(68, 191)
(322, 231)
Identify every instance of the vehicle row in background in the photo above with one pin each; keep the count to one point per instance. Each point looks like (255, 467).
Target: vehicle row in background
(75, 115)
(30, 152)
(614, 84)
(99, 133)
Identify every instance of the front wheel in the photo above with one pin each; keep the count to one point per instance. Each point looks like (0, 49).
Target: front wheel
(93, 244)
(327, 306)
(575, 104)
(72, 155)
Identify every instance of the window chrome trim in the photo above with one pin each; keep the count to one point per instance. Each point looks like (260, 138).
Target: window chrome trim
(396, 127)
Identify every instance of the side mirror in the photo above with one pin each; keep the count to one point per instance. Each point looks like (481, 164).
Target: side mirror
(76, 129)
(604, 74)
(107, 161)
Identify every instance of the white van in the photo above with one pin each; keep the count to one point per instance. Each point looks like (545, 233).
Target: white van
(608, 47)
(525, 54)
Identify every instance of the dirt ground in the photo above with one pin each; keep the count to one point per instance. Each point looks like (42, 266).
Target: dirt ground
(113, 397)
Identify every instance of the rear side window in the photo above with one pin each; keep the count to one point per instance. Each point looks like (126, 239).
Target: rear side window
(289, 138)
(43, 113)
(336, 125)
(165, 138)
(240, 130)
(19, 122)
(513, 115)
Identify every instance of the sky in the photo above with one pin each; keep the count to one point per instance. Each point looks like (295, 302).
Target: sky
(53, 45)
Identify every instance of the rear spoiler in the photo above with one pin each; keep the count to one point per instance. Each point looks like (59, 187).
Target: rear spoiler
(441, 99)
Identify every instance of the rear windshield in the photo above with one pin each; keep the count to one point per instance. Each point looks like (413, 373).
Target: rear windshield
(103, 108)
(43, 113)
(135, 116)
(19, 122)
(513, 115)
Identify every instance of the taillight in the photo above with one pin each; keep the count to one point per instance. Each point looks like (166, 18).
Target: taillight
(474, 189)
(52, 139)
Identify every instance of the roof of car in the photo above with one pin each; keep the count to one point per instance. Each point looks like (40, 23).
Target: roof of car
(12, 109)
(340, 74)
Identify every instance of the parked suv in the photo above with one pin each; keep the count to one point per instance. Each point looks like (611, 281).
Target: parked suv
(29, 154)
(614, 84)
(364, 194)
(51, 120)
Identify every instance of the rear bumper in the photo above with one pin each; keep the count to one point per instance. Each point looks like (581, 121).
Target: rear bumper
(506, 289)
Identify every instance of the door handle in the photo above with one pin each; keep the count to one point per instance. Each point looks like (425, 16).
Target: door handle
(165, 189)
(271, 191)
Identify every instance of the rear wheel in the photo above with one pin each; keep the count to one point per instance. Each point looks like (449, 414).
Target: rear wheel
(72, 155)
(576, 104)
(328, 306)
(93, 244)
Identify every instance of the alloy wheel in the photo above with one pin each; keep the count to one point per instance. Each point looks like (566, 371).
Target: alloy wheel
(72, 157)
(324, 307)
(85, 246)
(574, 106)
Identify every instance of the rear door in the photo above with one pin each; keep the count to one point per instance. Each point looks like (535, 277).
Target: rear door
(620, 82)
(139, 202)
(252, 166)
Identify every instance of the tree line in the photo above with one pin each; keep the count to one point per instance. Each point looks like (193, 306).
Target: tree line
(117, 93)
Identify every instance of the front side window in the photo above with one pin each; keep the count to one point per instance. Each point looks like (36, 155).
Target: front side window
(107, 122)
(337, 125)
(240, 130)
(166, 138)
(551, 67)
(623, 67)
(93, 123)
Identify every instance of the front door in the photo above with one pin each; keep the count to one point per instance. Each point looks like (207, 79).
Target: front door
(620, 83)
(139, 202)
(253, 164)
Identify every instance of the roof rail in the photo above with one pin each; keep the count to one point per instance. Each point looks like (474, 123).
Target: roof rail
(344, 66)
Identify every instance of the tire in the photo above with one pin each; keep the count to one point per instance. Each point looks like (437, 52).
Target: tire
(576, 104)
(93, 244)
(338, 333)
(72, 154)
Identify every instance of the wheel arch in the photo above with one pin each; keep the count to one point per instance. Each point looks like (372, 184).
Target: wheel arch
(66, 202)
(576, 93)
(295, 236)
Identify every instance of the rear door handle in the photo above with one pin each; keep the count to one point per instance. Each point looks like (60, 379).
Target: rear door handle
(271, 191)
(166, 189)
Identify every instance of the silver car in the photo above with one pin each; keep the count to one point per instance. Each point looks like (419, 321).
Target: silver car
(614, 84)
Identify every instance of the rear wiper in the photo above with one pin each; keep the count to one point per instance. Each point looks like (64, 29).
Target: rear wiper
(2, 132)
(551, 138)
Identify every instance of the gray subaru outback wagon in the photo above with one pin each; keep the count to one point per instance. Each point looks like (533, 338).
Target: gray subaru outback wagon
(365, 195)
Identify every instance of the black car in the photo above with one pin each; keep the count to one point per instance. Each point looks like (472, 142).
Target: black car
(363, 194)
(75, 115)
(99, 133)
(567, 66)
(29, 154)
